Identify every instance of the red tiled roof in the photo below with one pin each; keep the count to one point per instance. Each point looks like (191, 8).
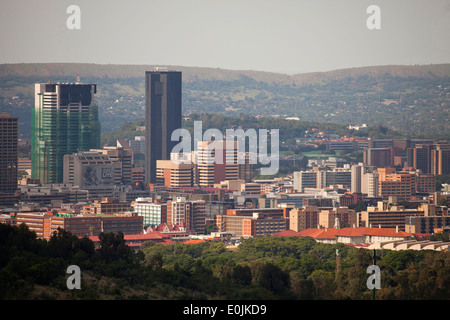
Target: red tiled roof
(331, 233)
(286, 233)
(327, 233)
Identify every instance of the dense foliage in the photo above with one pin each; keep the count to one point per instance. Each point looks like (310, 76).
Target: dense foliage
(289, 130)
(261, 268)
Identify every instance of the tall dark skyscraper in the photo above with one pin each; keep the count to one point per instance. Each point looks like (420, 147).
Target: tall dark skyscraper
(64, 121)
(162, 116)
(8, 153)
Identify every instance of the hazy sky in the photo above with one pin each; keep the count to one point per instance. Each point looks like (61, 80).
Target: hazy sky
(288, 36)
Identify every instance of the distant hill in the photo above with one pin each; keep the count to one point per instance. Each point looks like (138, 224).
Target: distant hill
(289, 130)
(414, 100)
(55, 70)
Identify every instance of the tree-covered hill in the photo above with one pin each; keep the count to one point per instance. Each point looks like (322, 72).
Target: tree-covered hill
(413, 100)
(289, 130)
(262, 268)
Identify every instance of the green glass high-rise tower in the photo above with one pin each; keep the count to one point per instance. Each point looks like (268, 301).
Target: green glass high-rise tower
(64, 120)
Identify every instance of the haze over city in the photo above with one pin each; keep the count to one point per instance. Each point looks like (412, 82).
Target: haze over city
(277, 36)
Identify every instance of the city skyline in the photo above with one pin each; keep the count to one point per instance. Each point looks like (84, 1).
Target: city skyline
(351, 202)
(286, 37)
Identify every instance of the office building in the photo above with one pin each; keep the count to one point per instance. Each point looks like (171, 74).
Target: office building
(252, 222)
(432, 157)
(64, 120)
(190, 214)
(123, 163)
(337, 176)
(420, 157)
(92, 171)
(399, 185)
(138, 144)
(215, 162)
(380, 143)
(304, 179)
(162, 116)
(337, 218)
(365, 180)
(303, 218)
(386, 215)
(378, 157)
(108, 206)
(8, 155)
(174, 174)
(426, 224)
(153, 213)
(440, 160)
(46, 223)
(260, 225)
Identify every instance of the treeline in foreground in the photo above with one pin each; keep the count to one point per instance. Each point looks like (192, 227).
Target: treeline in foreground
(264, 268)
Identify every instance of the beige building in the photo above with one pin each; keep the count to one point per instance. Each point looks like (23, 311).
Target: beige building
(215, 163)
(122, 159)
(109, 206)
(173, 174)
(92, 171)
(190, 214)
(386, 215)
(303, 218)
(337, 217)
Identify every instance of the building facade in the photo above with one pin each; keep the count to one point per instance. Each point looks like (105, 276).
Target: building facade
(153, 213)
(91, 171)
(64, 120)
(162, 116)
(8, 153)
